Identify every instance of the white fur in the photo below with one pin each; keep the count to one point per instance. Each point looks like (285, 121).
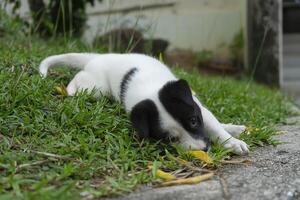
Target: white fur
(105, 73)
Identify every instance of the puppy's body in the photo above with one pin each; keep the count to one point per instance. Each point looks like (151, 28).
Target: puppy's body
(106, 72)
(160, 105)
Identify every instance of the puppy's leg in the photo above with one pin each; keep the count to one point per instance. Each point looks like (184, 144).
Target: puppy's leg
(234, 130)
(218, 134)
(85, 81)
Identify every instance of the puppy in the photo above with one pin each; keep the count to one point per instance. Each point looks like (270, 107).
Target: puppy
(160, 105)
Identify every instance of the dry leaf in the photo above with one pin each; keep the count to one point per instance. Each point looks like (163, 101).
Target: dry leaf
(192, 180)
(201, 155)
(163, 175)
(183, 162)
(61, 90)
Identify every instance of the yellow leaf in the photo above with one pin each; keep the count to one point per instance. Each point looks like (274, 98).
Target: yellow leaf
(163, 175)
(61, 90)
(201, 155)
(192, 180)
(181, 161)
(252, 129)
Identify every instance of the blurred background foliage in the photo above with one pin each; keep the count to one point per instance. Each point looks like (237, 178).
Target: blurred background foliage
(67, 18)
(58, 17)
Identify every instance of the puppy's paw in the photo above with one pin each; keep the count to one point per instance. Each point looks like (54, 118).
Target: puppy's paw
(234, 130)
(237, 146)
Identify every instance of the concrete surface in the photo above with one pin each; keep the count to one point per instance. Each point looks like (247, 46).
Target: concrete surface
(274, 174)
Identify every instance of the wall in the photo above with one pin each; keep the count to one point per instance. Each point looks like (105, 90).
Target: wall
(191, 24)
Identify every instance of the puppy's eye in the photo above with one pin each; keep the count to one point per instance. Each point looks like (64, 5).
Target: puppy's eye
(193, 122)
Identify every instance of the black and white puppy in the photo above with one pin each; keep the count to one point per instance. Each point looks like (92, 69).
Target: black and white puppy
(160, 105)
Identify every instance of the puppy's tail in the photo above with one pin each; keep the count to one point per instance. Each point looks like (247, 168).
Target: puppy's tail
(75, 60)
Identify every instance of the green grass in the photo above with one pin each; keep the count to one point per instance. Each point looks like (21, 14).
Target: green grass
(95, 145)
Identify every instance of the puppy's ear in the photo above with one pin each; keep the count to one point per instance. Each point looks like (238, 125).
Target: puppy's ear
(177, 90)
(145, 120)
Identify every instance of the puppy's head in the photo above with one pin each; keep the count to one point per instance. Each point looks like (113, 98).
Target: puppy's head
(176, 115)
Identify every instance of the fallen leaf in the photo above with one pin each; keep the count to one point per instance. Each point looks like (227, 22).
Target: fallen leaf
(61, 90)
(163, 175)
(252, 129)
(181, 161)
(201, 155)
(192, 180)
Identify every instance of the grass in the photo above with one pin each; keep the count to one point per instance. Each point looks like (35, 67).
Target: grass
(94, 145)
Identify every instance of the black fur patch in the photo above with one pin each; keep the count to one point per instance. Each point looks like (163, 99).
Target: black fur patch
(145, 119)
(176, 97)
(124, 83)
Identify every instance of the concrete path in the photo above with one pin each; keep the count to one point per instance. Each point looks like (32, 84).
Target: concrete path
(274, 174)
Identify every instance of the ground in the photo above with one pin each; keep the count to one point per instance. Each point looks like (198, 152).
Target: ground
(58, 147)
(274, 174)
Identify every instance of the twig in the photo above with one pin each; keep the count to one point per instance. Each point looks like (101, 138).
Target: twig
(190, 166)
(178, 171)
(26, 165)
(224, 185)
(239, 162)
(188, 174)
(113, 164)
(51, 155)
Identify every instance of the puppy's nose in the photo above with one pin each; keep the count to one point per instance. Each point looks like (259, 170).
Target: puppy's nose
(208, 144)
(206, 148)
